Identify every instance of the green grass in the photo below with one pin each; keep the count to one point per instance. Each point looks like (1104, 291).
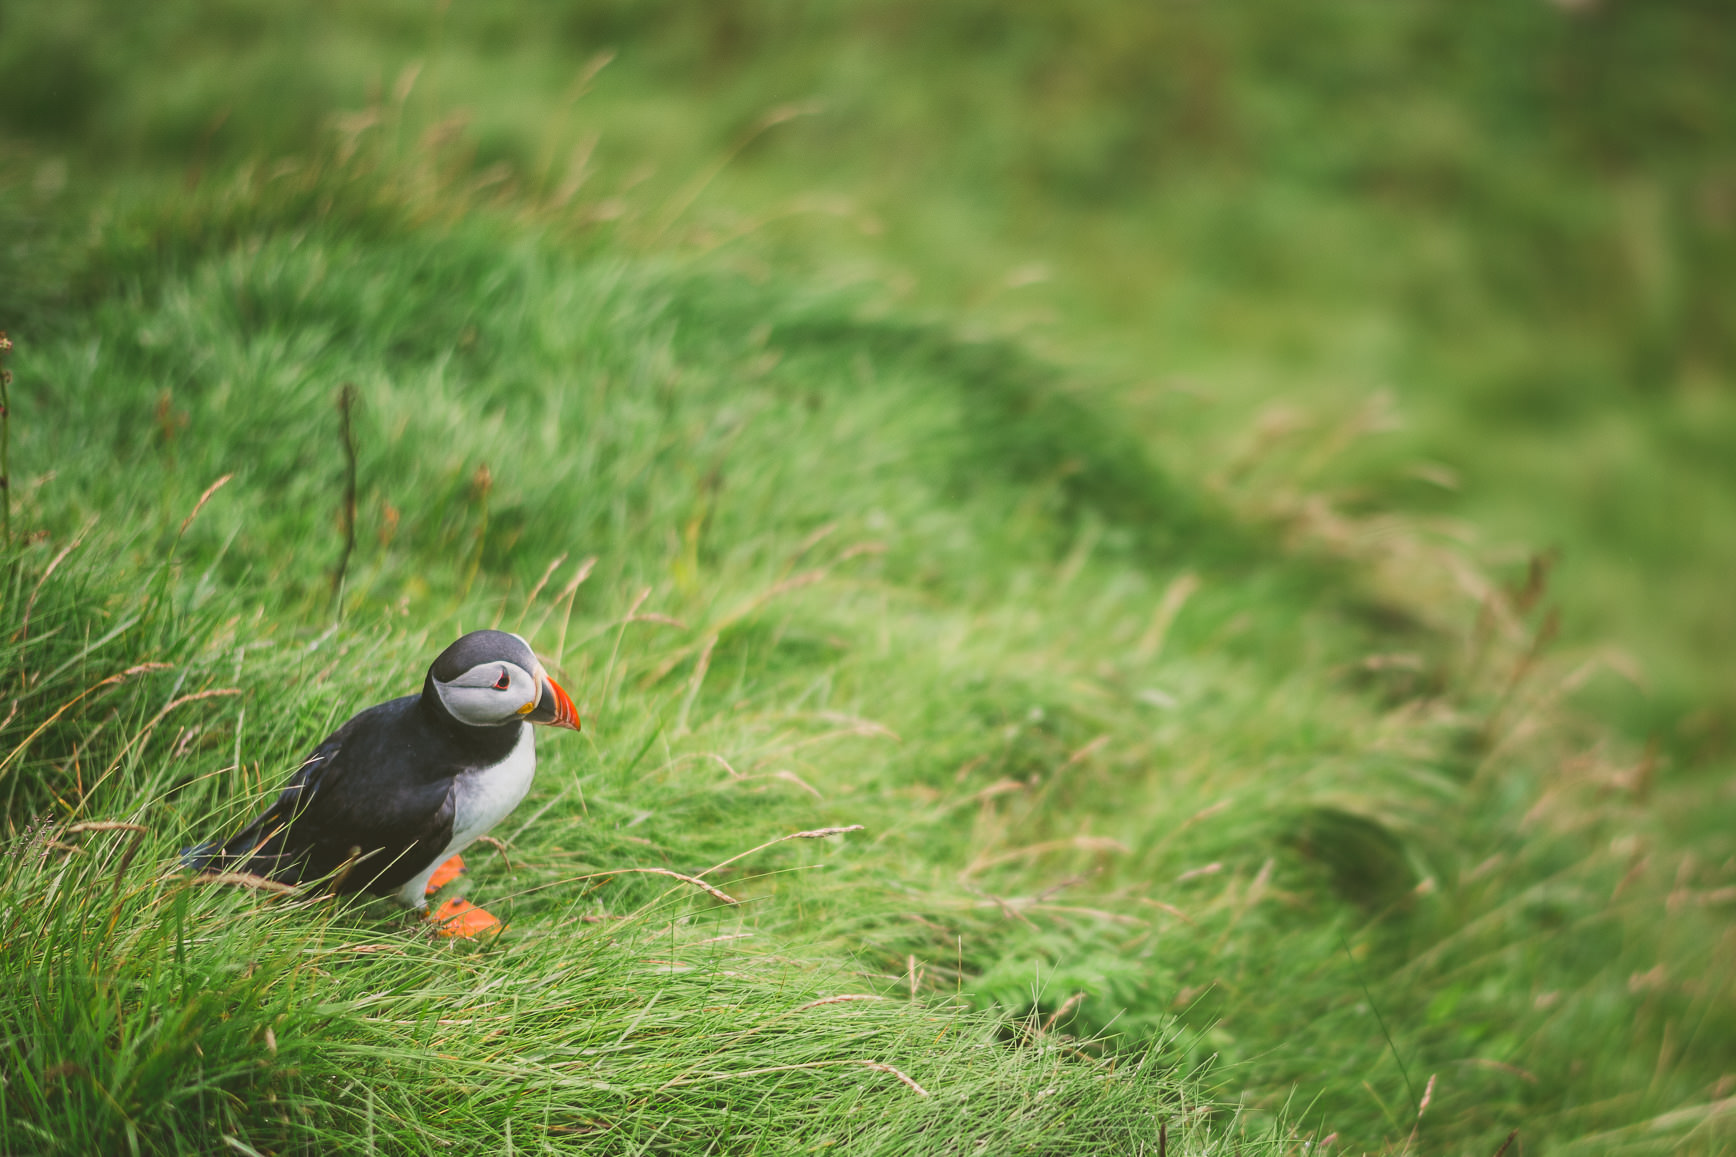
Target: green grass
(176, 1018)
(1207, 782)
(1299, 205)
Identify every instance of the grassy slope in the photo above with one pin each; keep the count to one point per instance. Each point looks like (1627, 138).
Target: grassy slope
(988, 594)
(980, 686)
(599, 423)
(1480, 213)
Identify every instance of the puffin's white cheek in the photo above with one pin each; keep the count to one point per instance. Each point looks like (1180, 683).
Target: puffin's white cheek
(473, 705)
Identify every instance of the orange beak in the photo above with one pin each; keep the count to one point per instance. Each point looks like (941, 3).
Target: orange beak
(553, 705)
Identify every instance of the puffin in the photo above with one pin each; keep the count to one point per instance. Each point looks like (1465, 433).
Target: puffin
(389, 800)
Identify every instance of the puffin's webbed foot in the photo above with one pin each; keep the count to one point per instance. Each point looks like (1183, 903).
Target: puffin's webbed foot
(461, 918)
(445, 874)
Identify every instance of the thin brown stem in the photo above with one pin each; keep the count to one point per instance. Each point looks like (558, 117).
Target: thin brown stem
(5, 438)
(347, 513)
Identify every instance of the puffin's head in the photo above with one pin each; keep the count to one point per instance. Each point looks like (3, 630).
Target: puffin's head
(492, 678)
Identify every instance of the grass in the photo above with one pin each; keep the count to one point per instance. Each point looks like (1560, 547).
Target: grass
(1210, 787)
(1221, 211)
(176, 1017)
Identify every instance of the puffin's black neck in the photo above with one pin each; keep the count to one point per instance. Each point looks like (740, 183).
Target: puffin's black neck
(486, 745)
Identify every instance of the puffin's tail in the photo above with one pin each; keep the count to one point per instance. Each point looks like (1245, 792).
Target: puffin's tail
(257, 848)
(199, 857)
(237, 852)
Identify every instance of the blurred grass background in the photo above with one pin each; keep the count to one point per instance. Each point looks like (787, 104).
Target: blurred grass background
(1515, 219)
(1288, 296)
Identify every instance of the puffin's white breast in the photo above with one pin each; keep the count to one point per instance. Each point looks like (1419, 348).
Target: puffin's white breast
(485, 796)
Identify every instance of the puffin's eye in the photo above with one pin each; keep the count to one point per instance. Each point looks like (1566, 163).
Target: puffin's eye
(504, 681)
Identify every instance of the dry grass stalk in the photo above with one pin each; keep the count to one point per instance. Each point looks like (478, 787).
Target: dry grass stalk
(214, 693)
(358, 948)
(615, 653)
(820, 833)
(695, 683)
(345, 868)
(1008, 909)
(1162, 907)
(735, 777)
(865, 727)
(1527, 662)
(245, 880)
(689, 193)
(1175, 596)
(566, 596)
(106, 826)
(1256, 892)
(1502, 1067)
(136, 831)
(814, 538)
(709, 889)
(881, 1068)
(1084, 753)
(1200, 816)
(30, 605)
(497, 846)
(1077, 910)
(842, 998)
(999, 787)
(1422, 1107)
(789, 776)
(1100, 844)
(743, 609)
(727, 766)
(816, 834)
(5, 764)
(530, 599)
(875, 1065)
(144, 735)
(1543, 709)
(200, 505)
(1067, 1006)
(782, 587)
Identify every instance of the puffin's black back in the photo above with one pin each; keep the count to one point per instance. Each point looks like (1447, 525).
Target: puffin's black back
(381, 787)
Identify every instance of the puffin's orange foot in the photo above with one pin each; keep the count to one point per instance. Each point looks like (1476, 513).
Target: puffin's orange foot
(463, 919)
(444, 875)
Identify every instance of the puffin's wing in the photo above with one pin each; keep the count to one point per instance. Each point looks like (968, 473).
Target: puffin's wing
(266, 845)
(377, 792)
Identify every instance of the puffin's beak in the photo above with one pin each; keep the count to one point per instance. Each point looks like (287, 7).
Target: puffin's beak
(553, 706)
